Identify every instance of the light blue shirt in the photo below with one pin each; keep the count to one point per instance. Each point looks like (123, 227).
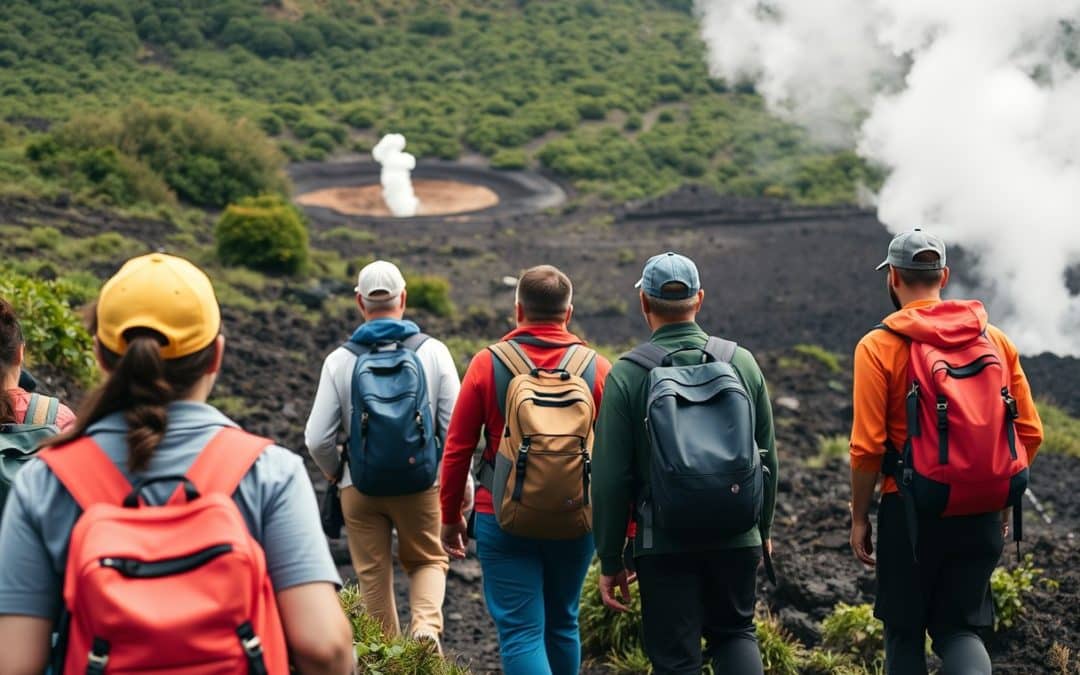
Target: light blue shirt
(275, 498)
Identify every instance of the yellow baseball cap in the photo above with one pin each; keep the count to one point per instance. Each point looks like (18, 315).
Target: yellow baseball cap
(163, 293)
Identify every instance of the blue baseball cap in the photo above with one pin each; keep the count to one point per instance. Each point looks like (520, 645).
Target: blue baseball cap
(668, 268)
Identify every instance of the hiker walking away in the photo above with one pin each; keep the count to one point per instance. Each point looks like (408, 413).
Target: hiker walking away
(685, 440)
(534, 397)
(942, 404)
(390, 389)
(26, 419)
(166, 537)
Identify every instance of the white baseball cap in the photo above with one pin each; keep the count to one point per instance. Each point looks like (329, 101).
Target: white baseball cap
(380, 277)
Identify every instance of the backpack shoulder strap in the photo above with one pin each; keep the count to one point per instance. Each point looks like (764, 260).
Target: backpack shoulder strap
(648, 355)
(41, 410)
(74, 463)
(720, 349)
(580, 361)
(882, 326)
(225, 461)
(508, 360)
(357, 349)
(413, 342)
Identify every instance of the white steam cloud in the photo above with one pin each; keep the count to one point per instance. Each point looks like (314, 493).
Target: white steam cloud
(396, 178)
(971, 105)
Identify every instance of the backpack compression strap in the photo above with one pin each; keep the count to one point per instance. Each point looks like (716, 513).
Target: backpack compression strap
(225, 461)
(74, 462)
(40, 415)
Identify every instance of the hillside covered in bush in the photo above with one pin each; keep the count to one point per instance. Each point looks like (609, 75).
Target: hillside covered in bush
(612, 95)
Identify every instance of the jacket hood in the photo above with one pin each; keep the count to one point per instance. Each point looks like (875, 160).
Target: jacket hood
(383, 330)
(947, 324)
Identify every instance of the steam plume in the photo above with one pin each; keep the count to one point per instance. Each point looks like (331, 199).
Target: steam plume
(396, 180)
(973, 107)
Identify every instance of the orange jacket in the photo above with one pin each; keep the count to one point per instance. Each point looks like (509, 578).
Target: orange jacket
(881, 379)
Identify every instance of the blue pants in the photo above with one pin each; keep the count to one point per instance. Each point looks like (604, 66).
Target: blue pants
(532, 588)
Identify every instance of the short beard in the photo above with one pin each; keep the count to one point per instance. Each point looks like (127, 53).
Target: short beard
(895, 300)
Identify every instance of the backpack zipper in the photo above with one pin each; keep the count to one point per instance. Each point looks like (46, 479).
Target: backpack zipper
(142, 569)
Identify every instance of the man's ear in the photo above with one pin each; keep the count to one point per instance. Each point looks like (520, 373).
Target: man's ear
(219, 356)
(360, 305)
(944, 277)
(700, 300)
(404, 296)
(894, 277)
(569, 314)
(645, 309)
(519, 313)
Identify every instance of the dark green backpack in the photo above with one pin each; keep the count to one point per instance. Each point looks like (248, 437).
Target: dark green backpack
(20, 442)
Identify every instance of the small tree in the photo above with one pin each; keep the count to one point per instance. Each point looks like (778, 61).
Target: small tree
(263, 233)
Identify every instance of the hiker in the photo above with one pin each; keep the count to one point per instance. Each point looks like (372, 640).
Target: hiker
(170, 538)
(26, 419)
(390, 389)
(685, 441)
(936, 387)
(532, 516)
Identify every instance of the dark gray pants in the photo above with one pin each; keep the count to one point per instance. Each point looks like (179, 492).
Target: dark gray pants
(961, 652)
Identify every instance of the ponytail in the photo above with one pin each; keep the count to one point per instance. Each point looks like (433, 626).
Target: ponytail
(11, 338)
(141, 385)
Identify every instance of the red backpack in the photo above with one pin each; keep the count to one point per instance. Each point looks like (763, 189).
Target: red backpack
(181, 587)
(961, 456)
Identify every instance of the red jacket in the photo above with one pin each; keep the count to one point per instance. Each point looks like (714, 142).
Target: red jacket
(477, 410)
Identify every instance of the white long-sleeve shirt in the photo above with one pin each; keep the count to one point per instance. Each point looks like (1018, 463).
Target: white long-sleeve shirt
(332, 409)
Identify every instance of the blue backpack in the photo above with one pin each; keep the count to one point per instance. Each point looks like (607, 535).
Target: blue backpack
(393, 447)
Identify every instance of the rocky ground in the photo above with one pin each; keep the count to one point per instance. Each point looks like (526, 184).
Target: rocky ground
(775, 276)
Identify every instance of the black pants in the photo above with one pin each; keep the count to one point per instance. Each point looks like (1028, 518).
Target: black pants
(947, 592)
(689, 596)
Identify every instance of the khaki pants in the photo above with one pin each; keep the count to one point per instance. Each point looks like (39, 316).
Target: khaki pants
(369, 522)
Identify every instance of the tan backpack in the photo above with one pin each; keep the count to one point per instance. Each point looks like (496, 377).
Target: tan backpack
(540, 478)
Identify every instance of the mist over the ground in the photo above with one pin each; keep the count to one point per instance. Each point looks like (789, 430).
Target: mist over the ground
(973, 108)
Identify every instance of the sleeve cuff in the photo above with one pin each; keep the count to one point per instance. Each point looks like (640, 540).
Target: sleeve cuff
(867, 463)
(611, 565)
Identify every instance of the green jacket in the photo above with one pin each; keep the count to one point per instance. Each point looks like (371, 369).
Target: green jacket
(621, 454)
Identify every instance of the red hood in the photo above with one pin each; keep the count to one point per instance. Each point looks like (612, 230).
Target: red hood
(947, 324)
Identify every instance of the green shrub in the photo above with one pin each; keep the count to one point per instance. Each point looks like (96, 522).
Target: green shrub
(1009, 588)
(509, 159)
(781, 653)
(852, 629)
(54, 333)
(1062, 430)
(431, 293)
(825, 662)
(605, 633)
(390, 656)
(821, 355)
(829, 448)
(263, 233)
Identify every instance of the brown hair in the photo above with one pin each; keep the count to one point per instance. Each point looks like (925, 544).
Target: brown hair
(922, 278)
(672, 310)
(140, 384)
(11, 338)
(544, 293)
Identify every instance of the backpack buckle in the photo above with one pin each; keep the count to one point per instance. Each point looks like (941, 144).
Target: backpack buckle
(96, 660)
(252, 646)
(907, 476)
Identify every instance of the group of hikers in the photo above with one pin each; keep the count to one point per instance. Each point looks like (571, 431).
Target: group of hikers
(148, 533)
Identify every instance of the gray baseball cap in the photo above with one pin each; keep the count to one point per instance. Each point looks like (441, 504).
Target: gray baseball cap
(906, 245)
(668, 268)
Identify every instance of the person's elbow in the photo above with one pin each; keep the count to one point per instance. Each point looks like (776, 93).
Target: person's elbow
(328, 653)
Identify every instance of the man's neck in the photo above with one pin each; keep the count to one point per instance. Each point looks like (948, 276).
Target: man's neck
(393, 316)
(919, 296)
(11, 379)
(558, 325)
(656, 324)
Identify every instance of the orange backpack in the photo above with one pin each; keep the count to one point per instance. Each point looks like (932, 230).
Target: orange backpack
(181, 587)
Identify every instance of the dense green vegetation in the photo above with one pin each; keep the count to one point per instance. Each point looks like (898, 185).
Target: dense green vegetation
(1062, 430)
(54, 333)
(264, 233)
(377, 653)
(612, 94)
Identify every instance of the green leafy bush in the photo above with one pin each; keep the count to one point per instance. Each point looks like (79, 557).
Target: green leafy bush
(852, 629)
(604, 633)
(830, 360)
(781, 653)
(54, 332)
(431, 293)
(1062, 430)
(397, 656)
(264, 233)
(509, 159)
(829, 448)
(1009, 588)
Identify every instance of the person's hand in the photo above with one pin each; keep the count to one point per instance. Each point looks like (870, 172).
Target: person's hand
(608, 585)
(470, 495)
(1005, 523)
(862, 540)
(455, 538)
(330, 479)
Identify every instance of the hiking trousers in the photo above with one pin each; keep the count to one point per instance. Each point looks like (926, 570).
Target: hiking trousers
(703, 594)
(945, 593)
(532, 588)
(369, 523)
